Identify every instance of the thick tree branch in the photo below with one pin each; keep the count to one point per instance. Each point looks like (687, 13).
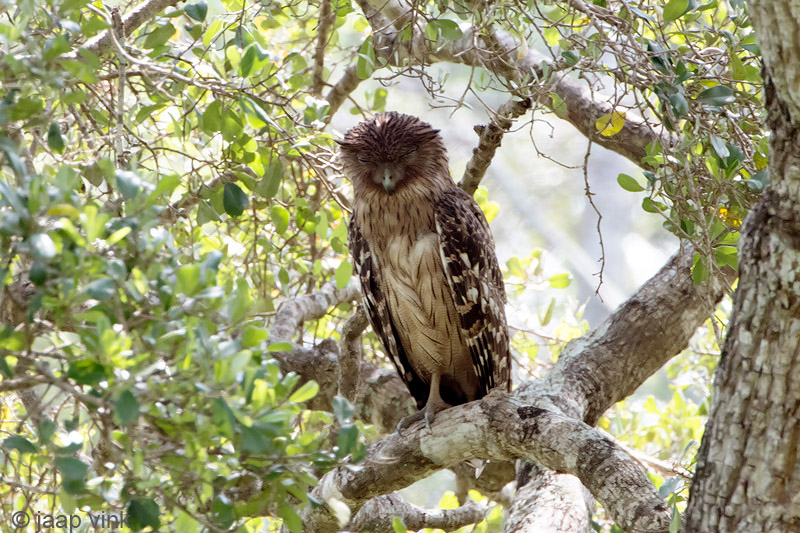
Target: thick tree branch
(376, 515)
(655, 324)
(499, 427)
(384, 398)
(293, 312)
(548, 501)
(350, 355)
(592, 374)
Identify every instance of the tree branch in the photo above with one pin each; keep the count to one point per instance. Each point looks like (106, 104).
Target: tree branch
(499, 427)
(655, 324)
(145, 11)
(350, 355)
(498, 53)
(490, 138)
(376, 515)
(326, 20)
(295, 311)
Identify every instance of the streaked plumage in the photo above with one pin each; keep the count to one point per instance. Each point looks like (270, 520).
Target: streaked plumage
(425, 257)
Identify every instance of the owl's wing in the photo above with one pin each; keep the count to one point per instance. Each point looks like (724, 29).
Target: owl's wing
(378, 312)
(476, 283)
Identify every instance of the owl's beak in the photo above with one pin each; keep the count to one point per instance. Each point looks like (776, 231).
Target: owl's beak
(388, 181)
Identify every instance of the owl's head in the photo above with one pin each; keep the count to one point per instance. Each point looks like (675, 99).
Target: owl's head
(391, 149)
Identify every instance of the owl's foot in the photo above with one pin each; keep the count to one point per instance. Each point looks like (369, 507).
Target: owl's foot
(434, 405)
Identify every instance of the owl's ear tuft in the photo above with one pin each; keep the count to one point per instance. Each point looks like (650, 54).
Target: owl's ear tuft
(343, 143)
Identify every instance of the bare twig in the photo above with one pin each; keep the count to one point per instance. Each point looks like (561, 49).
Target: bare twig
(491, 136)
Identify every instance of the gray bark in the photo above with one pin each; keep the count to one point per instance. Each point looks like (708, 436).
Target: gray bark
(748, 472)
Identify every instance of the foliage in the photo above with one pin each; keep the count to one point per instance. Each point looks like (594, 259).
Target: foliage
(160, 198)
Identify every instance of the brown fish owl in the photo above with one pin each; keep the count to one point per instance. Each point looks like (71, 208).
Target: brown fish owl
(425, 257)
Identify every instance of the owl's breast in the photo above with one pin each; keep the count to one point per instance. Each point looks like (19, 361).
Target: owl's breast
(419, 300)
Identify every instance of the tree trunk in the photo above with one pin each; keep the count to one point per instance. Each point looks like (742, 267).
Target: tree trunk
(748, 473)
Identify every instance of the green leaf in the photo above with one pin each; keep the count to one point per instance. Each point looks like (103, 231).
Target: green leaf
(87, 372)
(398, 525)
(548, 314)
(73, 472)
(240, 302)
(26, 107)
(253, 336)
(365, 64)
(222, 512)
(21, 444)
(11, 151)
(719, 147)
(448, 29)
(675, 9)
(679, 104)
(197, 11)
(279, 347)
(727, 255)
(159, 36)
(559, 106)
(100, 289)
(212, 117)
(515, 268)
(675, 522)
(71, 467)
(268, 186)
(232, 128)
(651, 206)
(143, 512)
(47, 429)
(55, 47)
(38, 273)
(290, 518)
(560, 281)
(570, 57)
(346, 440)
(126, 408)
(343, 410)
(629, 183)
(641, 14)
(699, 270)
(188, 279)
(305, 393)
(206, 213)
(54, 139)
(280, 217)
(343, 274)
(234, 200)
(42, 246)
(128, 184)
(166, 185)
(247, 62)
(718, 95)
(254, 440)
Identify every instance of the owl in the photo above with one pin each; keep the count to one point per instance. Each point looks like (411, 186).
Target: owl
(425, 259)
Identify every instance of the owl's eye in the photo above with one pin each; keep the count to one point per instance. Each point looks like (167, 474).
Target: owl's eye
(363, 159)
(410, 152)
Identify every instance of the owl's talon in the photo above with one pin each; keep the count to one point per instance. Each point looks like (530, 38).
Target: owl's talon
(410, 420)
